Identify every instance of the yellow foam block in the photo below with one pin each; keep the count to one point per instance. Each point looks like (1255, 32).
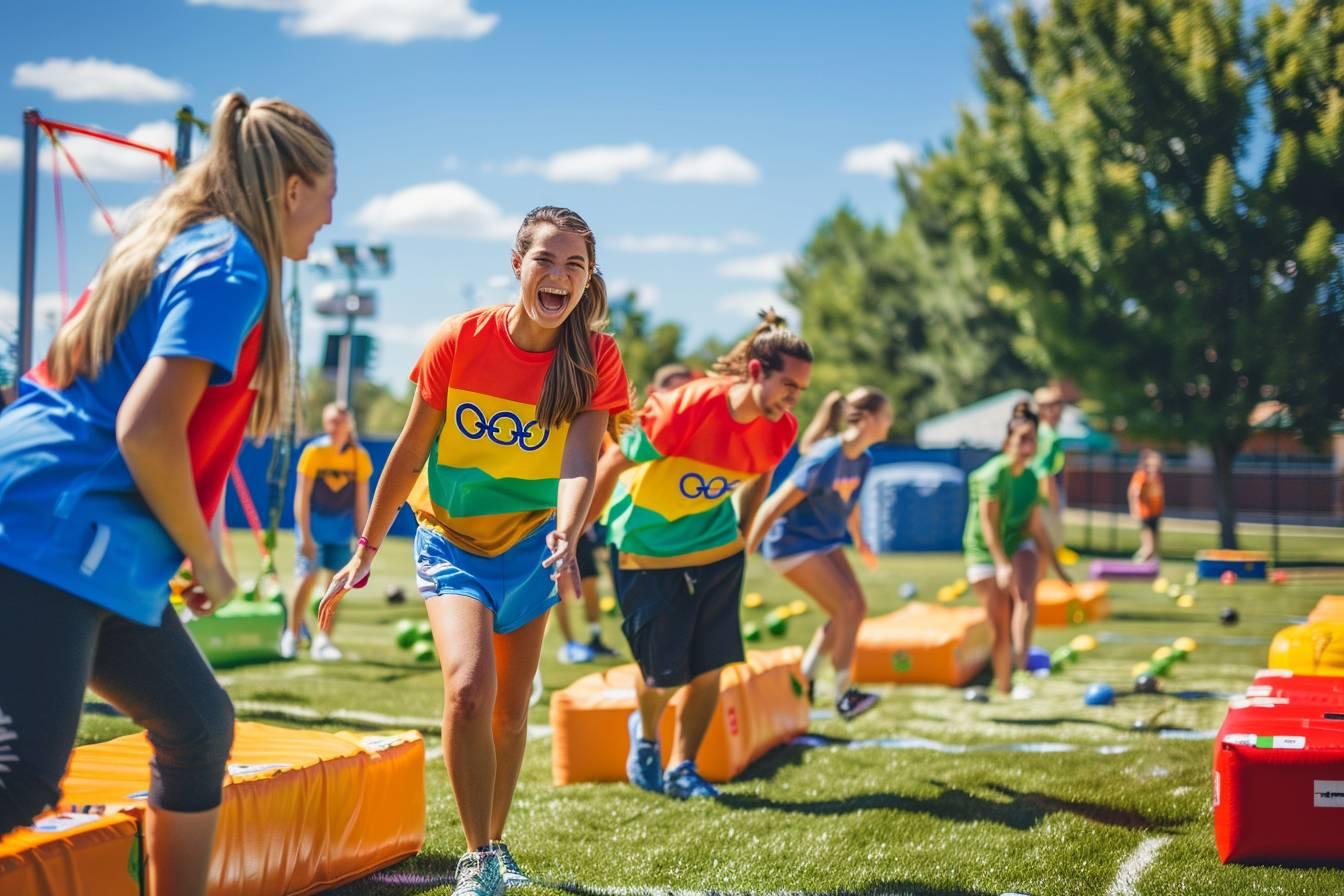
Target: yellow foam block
(761, 705)
(923, 644)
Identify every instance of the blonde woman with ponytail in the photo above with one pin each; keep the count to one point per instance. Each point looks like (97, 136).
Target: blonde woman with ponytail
(115, 457)
(802, 528)
(497, 457)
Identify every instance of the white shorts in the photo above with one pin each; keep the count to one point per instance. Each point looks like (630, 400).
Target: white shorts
(979, 572)
(782, 565)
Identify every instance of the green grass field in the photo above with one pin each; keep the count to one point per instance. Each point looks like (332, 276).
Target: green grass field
(852, 817)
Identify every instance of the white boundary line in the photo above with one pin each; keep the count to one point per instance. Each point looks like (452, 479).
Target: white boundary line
(1127, 878)
(308, 714)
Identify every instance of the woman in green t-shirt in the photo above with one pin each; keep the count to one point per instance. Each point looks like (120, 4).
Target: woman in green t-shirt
(1004, 530)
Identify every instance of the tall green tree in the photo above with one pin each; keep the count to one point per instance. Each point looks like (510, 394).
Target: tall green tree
(904, 313)
(378, 409)
(645, 346)
(1157, 185)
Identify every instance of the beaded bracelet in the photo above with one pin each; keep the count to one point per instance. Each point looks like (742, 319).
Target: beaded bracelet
(364, 543)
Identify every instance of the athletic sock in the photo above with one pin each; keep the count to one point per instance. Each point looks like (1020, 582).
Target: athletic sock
(811, 659)
(841, 683)
(595, 629)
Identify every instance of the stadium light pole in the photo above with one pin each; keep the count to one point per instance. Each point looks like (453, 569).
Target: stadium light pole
(185, 119)
(27, 243)
(347, 256)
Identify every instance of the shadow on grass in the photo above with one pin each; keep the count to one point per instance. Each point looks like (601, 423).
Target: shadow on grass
(280, 697)
(1059, 720)
(1133, 616)
(405, 879)
(782, 757)
(880, 888)
(1022, 810)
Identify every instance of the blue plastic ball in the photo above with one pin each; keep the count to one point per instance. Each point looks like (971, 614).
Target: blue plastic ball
(1038, 658)
(909, 590)
(1099, 694)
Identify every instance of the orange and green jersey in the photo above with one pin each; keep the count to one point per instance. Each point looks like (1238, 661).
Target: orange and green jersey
(493, 470)
(675, 508)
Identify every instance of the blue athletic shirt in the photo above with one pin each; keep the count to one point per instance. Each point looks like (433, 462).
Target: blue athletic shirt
(70, 514)
(831, 481)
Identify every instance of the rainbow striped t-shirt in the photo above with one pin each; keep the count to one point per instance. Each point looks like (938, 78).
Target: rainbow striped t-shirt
(674, 509)
(493, 470)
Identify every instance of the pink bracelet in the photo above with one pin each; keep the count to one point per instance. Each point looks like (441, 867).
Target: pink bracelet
(364, 543)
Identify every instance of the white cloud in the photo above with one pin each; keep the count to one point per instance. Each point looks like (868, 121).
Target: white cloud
(46, 305)
(747, 304)
(879, 158)
(451, 163)
(11, 153)
(713, 165)
(683, 243)
(442, 208)
(758, 267)
(100, 160)
(124, 217)
(414, 335)
(591, 164)
(607, 164)
(499, 281)
(647, 296)
(98, 79)
(382, 21)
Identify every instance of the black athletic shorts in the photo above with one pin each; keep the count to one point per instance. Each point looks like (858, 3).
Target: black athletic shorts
(52, 646)
(1151, 522)
(584, 553)
(682, 622)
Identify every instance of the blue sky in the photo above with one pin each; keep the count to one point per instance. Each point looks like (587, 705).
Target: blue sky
(703, 141)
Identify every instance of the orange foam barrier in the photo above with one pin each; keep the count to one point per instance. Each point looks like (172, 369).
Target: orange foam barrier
(73, 854)
(923, 644)
(1329, 608)
(761, 705)
(1316, 648)
(1059, 603)
(303, 811)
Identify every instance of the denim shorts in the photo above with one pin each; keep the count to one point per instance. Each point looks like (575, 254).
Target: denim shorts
(513, 586)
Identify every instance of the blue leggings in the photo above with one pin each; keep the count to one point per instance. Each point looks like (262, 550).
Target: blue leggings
(53, 645)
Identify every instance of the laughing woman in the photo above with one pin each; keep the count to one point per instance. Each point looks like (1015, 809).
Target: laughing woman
(498, 458)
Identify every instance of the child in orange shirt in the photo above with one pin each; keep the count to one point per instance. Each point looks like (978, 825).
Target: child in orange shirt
(1146, 502)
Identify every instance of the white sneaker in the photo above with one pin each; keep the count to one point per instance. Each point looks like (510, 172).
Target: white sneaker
(1021, 692)
(289, 646)
(323, 650)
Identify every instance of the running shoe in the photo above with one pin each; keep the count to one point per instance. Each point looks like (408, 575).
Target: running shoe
(598, 649)
(508, 866)
(683, 782)
(572, 652)
(643, 766)
(289, 647)
(323, 650)
(854, 703)
(479, 874)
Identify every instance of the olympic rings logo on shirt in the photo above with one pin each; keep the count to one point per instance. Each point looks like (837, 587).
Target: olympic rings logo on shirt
(693, 485)
(503, 428)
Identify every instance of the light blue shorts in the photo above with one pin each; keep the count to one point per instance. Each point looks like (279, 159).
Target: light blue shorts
(332, 556)
(513, 586)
